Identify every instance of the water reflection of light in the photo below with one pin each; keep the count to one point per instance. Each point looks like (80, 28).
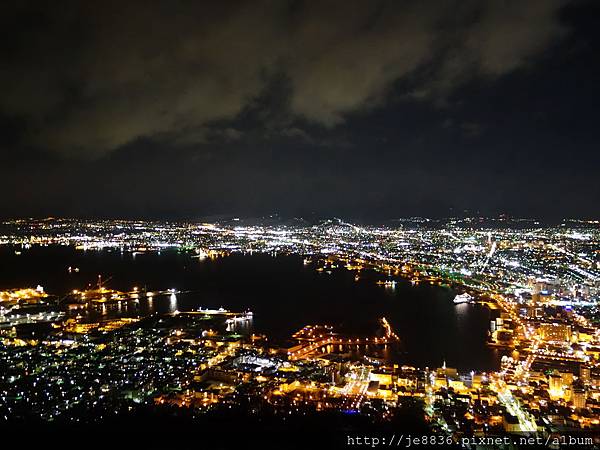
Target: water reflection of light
(173, 302)
(240, 325)
(462, 309)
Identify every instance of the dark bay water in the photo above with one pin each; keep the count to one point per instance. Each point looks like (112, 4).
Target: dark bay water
(283, 293)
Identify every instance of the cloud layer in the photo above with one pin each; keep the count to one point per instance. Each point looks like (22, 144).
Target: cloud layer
(86, 78)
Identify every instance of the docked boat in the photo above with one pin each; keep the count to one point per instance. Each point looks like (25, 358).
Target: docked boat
(462, 298)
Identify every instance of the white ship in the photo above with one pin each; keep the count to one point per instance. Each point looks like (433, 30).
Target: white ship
(221, 310)
(462, 298)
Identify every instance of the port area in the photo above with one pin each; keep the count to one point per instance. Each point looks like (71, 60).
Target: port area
(101, 295)
(315, 340)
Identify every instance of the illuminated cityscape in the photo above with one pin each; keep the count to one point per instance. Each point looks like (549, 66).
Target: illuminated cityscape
(541, 282)
(300, 224)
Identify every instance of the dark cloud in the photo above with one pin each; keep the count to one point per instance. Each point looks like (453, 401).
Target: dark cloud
(86, 78)
(362, 109)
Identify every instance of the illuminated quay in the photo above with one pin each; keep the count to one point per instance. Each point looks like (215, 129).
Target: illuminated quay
(319, 338)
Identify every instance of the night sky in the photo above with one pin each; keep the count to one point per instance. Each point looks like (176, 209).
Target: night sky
(367, 110)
